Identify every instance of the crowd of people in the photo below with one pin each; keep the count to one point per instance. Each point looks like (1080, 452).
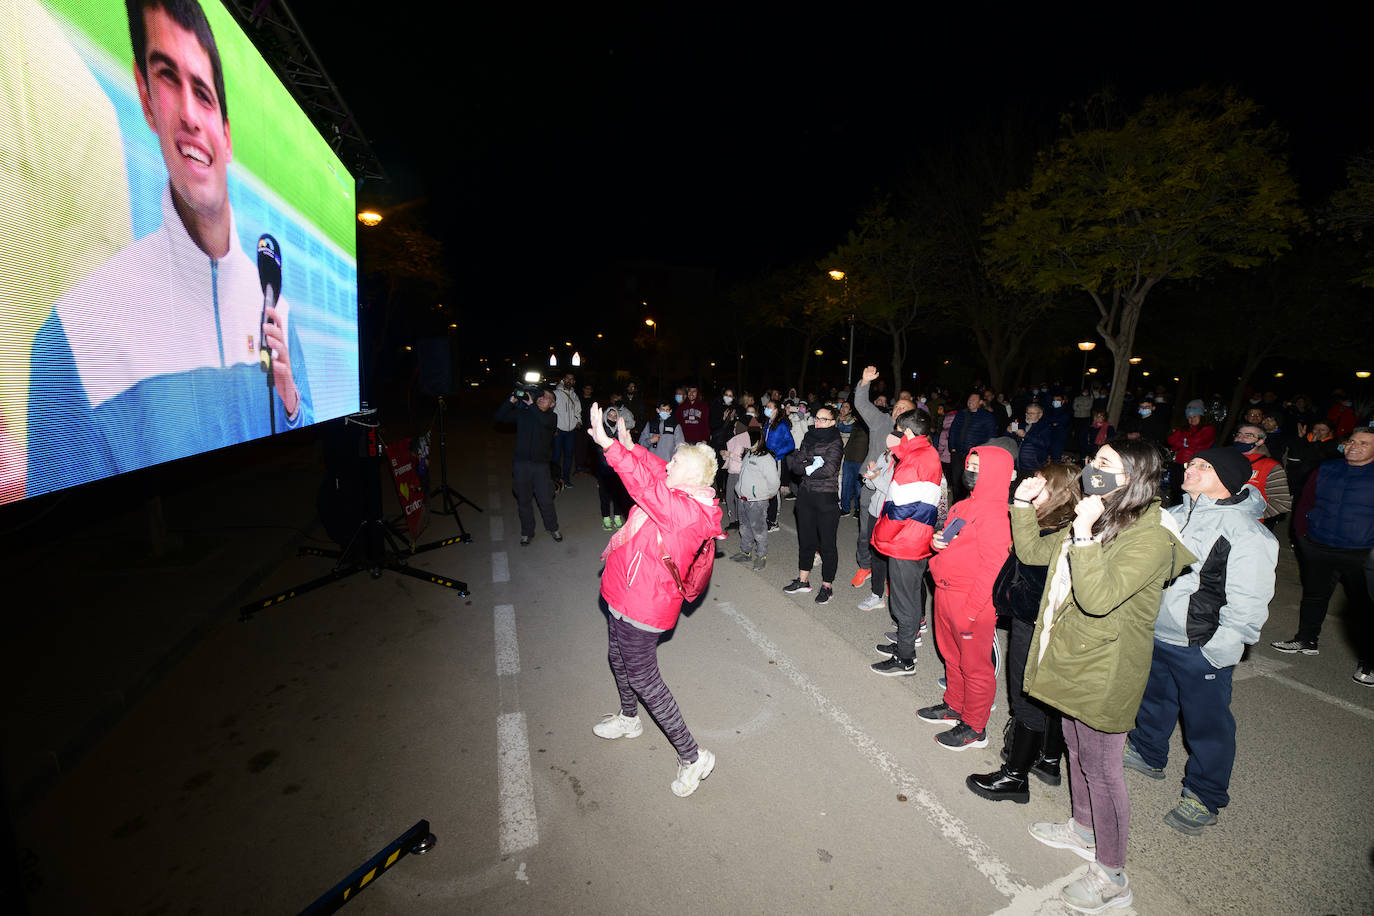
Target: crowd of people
(1131, 565)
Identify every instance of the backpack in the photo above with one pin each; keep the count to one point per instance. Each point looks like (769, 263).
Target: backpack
(698, 577)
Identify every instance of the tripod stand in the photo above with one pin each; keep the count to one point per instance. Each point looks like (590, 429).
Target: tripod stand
(373, 546)
(452, 499)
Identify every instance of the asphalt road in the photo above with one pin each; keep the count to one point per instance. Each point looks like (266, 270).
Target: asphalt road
(273, 757)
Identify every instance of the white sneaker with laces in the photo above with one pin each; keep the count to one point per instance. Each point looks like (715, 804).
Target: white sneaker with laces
(872, 603)
(618, 725)
(1096, 891)
(690, 775)
(1063, 836)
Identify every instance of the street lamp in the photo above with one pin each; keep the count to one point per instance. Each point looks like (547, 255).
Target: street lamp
(840, 276)
(649, 322)
(369, 218)
(1087, 346)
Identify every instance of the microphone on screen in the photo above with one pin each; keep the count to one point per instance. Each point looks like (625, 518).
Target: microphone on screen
(269, 278)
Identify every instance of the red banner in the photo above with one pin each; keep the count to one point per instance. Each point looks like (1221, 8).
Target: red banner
(408, 488)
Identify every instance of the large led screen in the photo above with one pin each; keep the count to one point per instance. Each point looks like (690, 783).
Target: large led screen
(177, 254)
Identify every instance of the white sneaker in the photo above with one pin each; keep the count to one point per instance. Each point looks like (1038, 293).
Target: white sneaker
(690, 775)
(617, 725)
(1096, 891)
(872, 603)
(1063, 836)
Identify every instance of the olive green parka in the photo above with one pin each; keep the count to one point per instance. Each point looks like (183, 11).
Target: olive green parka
(1095, 659)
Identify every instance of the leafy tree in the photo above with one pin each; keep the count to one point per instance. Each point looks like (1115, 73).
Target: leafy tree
(1183, 188)
(1351, 212)
(885, 260)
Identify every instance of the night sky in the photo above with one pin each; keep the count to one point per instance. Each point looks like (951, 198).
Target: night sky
(550, 144)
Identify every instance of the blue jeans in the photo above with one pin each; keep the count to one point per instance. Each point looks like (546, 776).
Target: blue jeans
(1182, 680)
(564, 442)
(851, 490)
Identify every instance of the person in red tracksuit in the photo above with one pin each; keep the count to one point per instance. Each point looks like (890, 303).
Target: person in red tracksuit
(964, 567)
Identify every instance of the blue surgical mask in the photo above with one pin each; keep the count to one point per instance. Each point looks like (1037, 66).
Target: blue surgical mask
(768, 412)
(664, 414)
(1145, 411)
(1057, 403)
(678, 398)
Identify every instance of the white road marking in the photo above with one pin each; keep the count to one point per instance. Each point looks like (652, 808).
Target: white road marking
(498, 528)
(519, 825)
(1261, 666)
(507, 649)
(955, 831)
(500, 566)
(1314, 692)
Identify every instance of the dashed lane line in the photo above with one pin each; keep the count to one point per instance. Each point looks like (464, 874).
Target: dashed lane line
(519, 826)
(507, 648)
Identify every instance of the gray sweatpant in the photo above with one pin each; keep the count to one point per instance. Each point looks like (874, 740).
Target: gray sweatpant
(753, 527)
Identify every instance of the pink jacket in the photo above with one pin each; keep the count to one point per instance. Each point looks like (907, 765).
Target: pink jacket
(635, 581)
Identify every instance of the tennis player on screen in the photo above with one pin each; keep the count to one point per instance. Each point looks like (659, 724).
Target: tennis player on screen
(155, 354)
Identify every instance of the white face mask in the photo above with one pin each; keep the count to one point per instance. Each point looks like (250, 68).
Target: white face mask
(678, 398)
(727, 399)
(768, 412)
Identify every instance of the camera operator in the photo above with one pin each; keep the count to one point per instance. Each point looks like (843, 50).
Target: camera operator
(534, 430)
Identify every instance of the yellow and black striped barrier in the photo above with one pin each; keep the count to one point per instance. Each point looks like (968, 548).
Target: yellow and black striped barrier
(417, 840)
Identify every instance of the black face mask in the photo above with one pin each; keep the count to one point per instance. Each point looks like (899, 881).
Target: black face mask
(970, 478)
(1098, 483)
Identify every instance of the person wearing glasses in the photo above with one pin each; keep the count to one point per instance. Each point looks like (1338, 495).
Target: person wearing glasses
(1208, 615)
(1266, 473)
(815, 467)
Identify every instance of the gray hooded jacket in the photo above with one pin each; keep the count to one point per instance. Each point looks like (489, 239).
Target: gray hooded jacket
(1220, 602)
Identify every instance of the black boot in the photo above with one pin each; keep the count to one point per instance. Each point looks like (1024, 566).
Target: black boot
(1046, 766)
(1010, 782)
(1007, 731)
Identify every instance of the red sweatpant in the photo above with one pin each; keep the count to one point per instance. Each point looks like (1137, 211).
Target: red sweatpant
(970, 678)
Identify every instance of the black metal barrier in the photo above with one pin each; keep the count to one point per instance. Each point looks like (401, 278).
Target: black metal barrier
(417, 840)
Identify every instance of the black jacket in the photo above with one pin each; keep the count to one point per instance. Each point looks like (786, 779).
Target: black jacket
(534, 429)
(825, 443)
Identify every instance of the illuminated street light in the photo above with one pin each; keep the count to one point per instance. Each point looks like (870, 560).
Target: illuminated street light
(1361, 373)
(1087, 346)
(1134, 360)
(838, 275)
(369, 218)
(819, 352)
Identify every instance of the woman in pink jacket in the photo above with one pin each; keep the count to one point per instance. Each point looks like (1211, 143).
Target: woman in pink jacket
(675, 511)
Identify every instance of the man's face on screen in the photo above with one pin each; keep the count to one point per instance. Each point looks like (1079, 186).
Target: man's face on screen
(181, 107)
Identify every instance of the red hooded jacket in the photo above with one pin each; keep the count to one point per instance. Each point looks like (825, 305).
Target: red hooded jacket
(907, 522)
(972, 560)
(635, 581)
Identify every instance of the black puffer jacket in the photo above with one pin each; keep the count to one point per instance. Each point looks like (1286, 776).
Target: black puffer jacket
(822, 443)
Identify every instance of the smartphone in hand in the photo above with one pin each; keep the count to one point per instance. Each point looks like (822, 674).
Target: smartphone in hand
(951, 531)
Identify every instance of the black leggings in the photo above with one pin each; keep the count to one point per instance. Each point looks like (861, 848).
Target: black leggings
(818, 516)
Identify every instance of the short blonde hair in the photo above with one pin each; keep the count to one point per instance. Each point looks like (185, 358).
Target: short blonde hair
(703, 457)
